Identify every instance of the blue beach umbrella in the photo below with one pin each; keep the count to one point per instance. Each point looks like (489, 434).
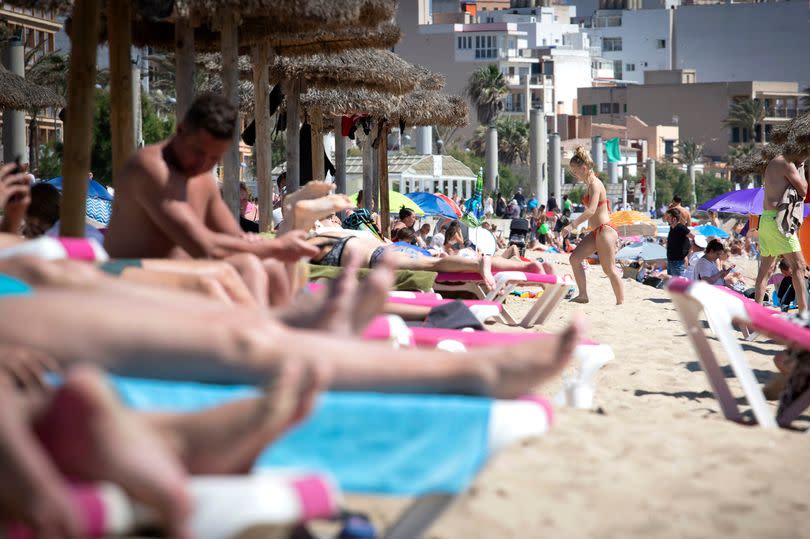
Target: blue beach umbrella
(432, 205)
(709, 231)
(99, 200)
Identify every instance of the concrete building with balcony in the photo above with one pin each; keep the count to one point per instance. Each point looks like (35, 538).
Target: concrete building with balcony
(722, 42)
(698, 109)
(37, 29)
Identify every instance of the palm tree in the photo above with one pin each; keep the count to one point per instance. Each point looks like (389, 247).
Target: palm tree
(513, 140)
(486, 88)
(739, 153)
(746, 115)
(689, 153)
(50, 70)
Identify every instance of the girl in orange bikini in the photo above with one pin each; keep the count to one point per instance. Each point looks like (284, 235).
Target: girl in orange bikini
(603, 240)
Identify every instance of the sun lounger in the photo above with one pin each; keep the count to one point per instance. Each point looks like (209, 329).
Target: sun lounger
(224, 506)
(86, 249)
(404, 279)
(722, 309)
(439, 445)
(555, 288)
(482, 310)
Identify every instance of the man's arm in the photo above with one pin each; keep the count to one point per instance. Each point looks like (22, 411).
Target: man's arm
(179, 222)
(220, 218)
(795, 179)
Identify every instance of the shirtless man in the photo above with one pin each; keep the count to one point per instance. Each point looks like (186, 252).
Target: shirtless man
(781, 174)
(686, 217)
(167, 204)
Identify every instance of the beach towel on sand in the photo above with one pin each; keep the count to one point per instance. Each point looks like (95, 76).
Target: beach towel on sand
(415, 280)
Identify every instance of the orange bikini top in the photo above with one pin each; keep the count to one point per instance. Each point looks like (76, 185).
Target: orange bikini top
(587, 200)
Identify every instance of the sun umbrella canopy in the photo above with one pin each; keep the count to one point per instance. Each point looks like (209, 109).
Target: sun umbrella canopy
(452, 204)
(432, 204)
(646, 250)
(396, 201)
(629, 217)
(94, 189)
(709, 231)
(744, 202)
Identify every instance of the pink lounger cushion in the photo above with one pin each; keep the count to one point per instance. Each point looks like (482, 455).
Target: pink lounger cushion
(539, 278)
(317, 500)
(379, 329)
(421, 299)
(78, 249)
(90, 509)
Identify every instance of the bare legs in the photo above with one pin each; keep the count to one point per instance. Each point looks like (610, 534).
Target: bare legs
(767, 264)
(175, 342)
(585, 248)
(797, 270)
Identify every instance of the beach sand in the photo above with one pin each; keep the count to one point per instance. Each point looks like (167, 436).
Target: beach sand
(656, 459)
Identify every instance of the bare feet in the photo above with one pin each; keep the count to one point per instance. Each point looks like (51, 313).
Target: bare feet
(228, 439)
(371, 297)
(91, 437)
(306, 212)
(485, 269)
(334, 312)
(519, 369)
(540, 267)
(309, 191)
(580, 299)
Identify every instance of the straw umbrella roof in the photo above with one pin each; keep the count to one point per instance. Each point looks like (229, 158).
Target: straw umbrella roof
(798, 127)
(791, 147)
(247, 102)
(16, 93)
(750, 164)
(383, 36)
(432, 108)
(372, 69)
(343, 102)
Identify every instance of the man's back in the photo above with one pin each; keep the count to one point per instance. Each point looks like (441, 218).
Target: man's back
(133, 230)
(775, 182)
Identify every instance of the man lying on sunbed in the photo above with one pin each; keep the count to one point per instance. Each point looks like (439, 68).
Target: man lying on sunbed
(314, 201)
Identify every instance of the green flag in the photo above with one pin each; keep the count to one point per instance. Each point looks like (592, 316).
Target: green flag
(612, 150)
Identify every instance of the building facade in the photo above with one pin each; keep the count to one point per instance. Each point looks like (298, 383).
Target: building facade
(698, 109)
(37, 29)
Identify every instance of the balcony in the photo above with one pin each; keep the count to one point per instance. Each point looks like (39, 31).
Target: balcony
(786, 113)
(534, 80)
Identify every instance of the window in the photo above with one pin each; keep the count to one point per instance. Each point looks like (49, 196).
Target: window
(662, 43)
(486, 47)
(617, 69)
(669, 147)
(589, 110)
(735, 135)
(460, 42)
(625, 107)
(615, 108)
(630, 67)
(604, 108)
(611, 44)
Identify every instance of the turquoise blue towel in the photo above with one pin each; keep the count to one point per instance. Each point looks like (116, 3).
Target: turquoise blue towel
(405, 445)
(9, 286)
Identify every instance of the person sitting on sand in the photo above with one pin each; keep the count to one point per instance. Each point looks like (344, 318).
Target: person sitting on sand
(407, 218)
(603, 240)
(696, 251)
(706, 268)
(167, 204)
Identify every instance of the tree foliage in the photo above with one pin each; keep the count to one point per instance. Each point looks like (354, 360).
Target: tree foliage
(486, 88)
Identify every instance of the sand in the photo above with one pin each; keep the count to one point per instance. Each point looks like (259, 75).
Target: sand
(656, 460)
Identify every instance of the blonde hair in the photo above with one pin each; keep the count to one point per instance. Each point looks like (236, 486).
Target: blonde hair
(582, 158)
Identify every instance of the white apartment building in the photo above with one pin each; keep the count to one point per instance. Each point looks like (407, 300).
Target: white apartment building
(722, 42)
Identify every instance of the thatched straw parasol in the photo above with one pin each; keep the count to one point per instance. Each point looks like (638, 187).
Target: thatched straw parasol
(798, 127)
(791, 147)
(432, 108)
(213, 84)
(384, 36)
(16, 93)
(750, 164)
(340, 102)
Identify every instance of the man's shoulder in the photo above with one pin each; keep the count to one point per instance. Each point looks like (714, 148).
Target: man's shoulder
(147, 163)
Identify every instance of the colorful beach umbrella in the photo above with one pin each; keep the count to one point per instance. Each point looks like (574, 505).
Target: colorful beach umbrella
(646, 250)
(98, 203)
(710, 231)
(449, 200)
(744, 202)
(474, 207)
(432, 204)
(397, 201)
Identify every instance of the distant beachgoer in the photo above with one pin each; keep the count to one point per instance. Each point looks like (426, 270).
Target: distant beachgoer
(686, 217)
(604, 239)
(678, 243)
(706, 268)
(785, 189)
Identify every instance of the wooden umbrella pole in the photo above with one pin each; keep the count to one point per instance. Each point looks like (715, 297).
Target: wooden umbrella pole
(230, 87)
(340, 156)
(368, 173)
(385, 210)
(79, 121)
(122, 113)
(184, 67)
(316, 124)
(293, 91)
(264, 163)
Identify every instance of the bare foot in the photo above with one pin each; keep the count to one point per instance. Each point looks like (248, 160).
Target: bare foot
(580, 299)
(485, 269)
(91, 437)
(306, 212)
(333, 313)
(371, 297)
(228, 439)
(540, 267)
(309, 191)
(522, 367)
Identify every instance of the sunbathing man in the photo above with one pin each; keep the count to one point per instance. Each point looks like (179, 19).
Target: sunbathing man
(167, 205)
(190, 338)
(780, 175)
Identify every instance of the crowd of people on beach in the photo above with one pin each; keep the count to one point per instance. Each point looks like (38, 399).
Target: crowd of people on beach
(193, 294)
